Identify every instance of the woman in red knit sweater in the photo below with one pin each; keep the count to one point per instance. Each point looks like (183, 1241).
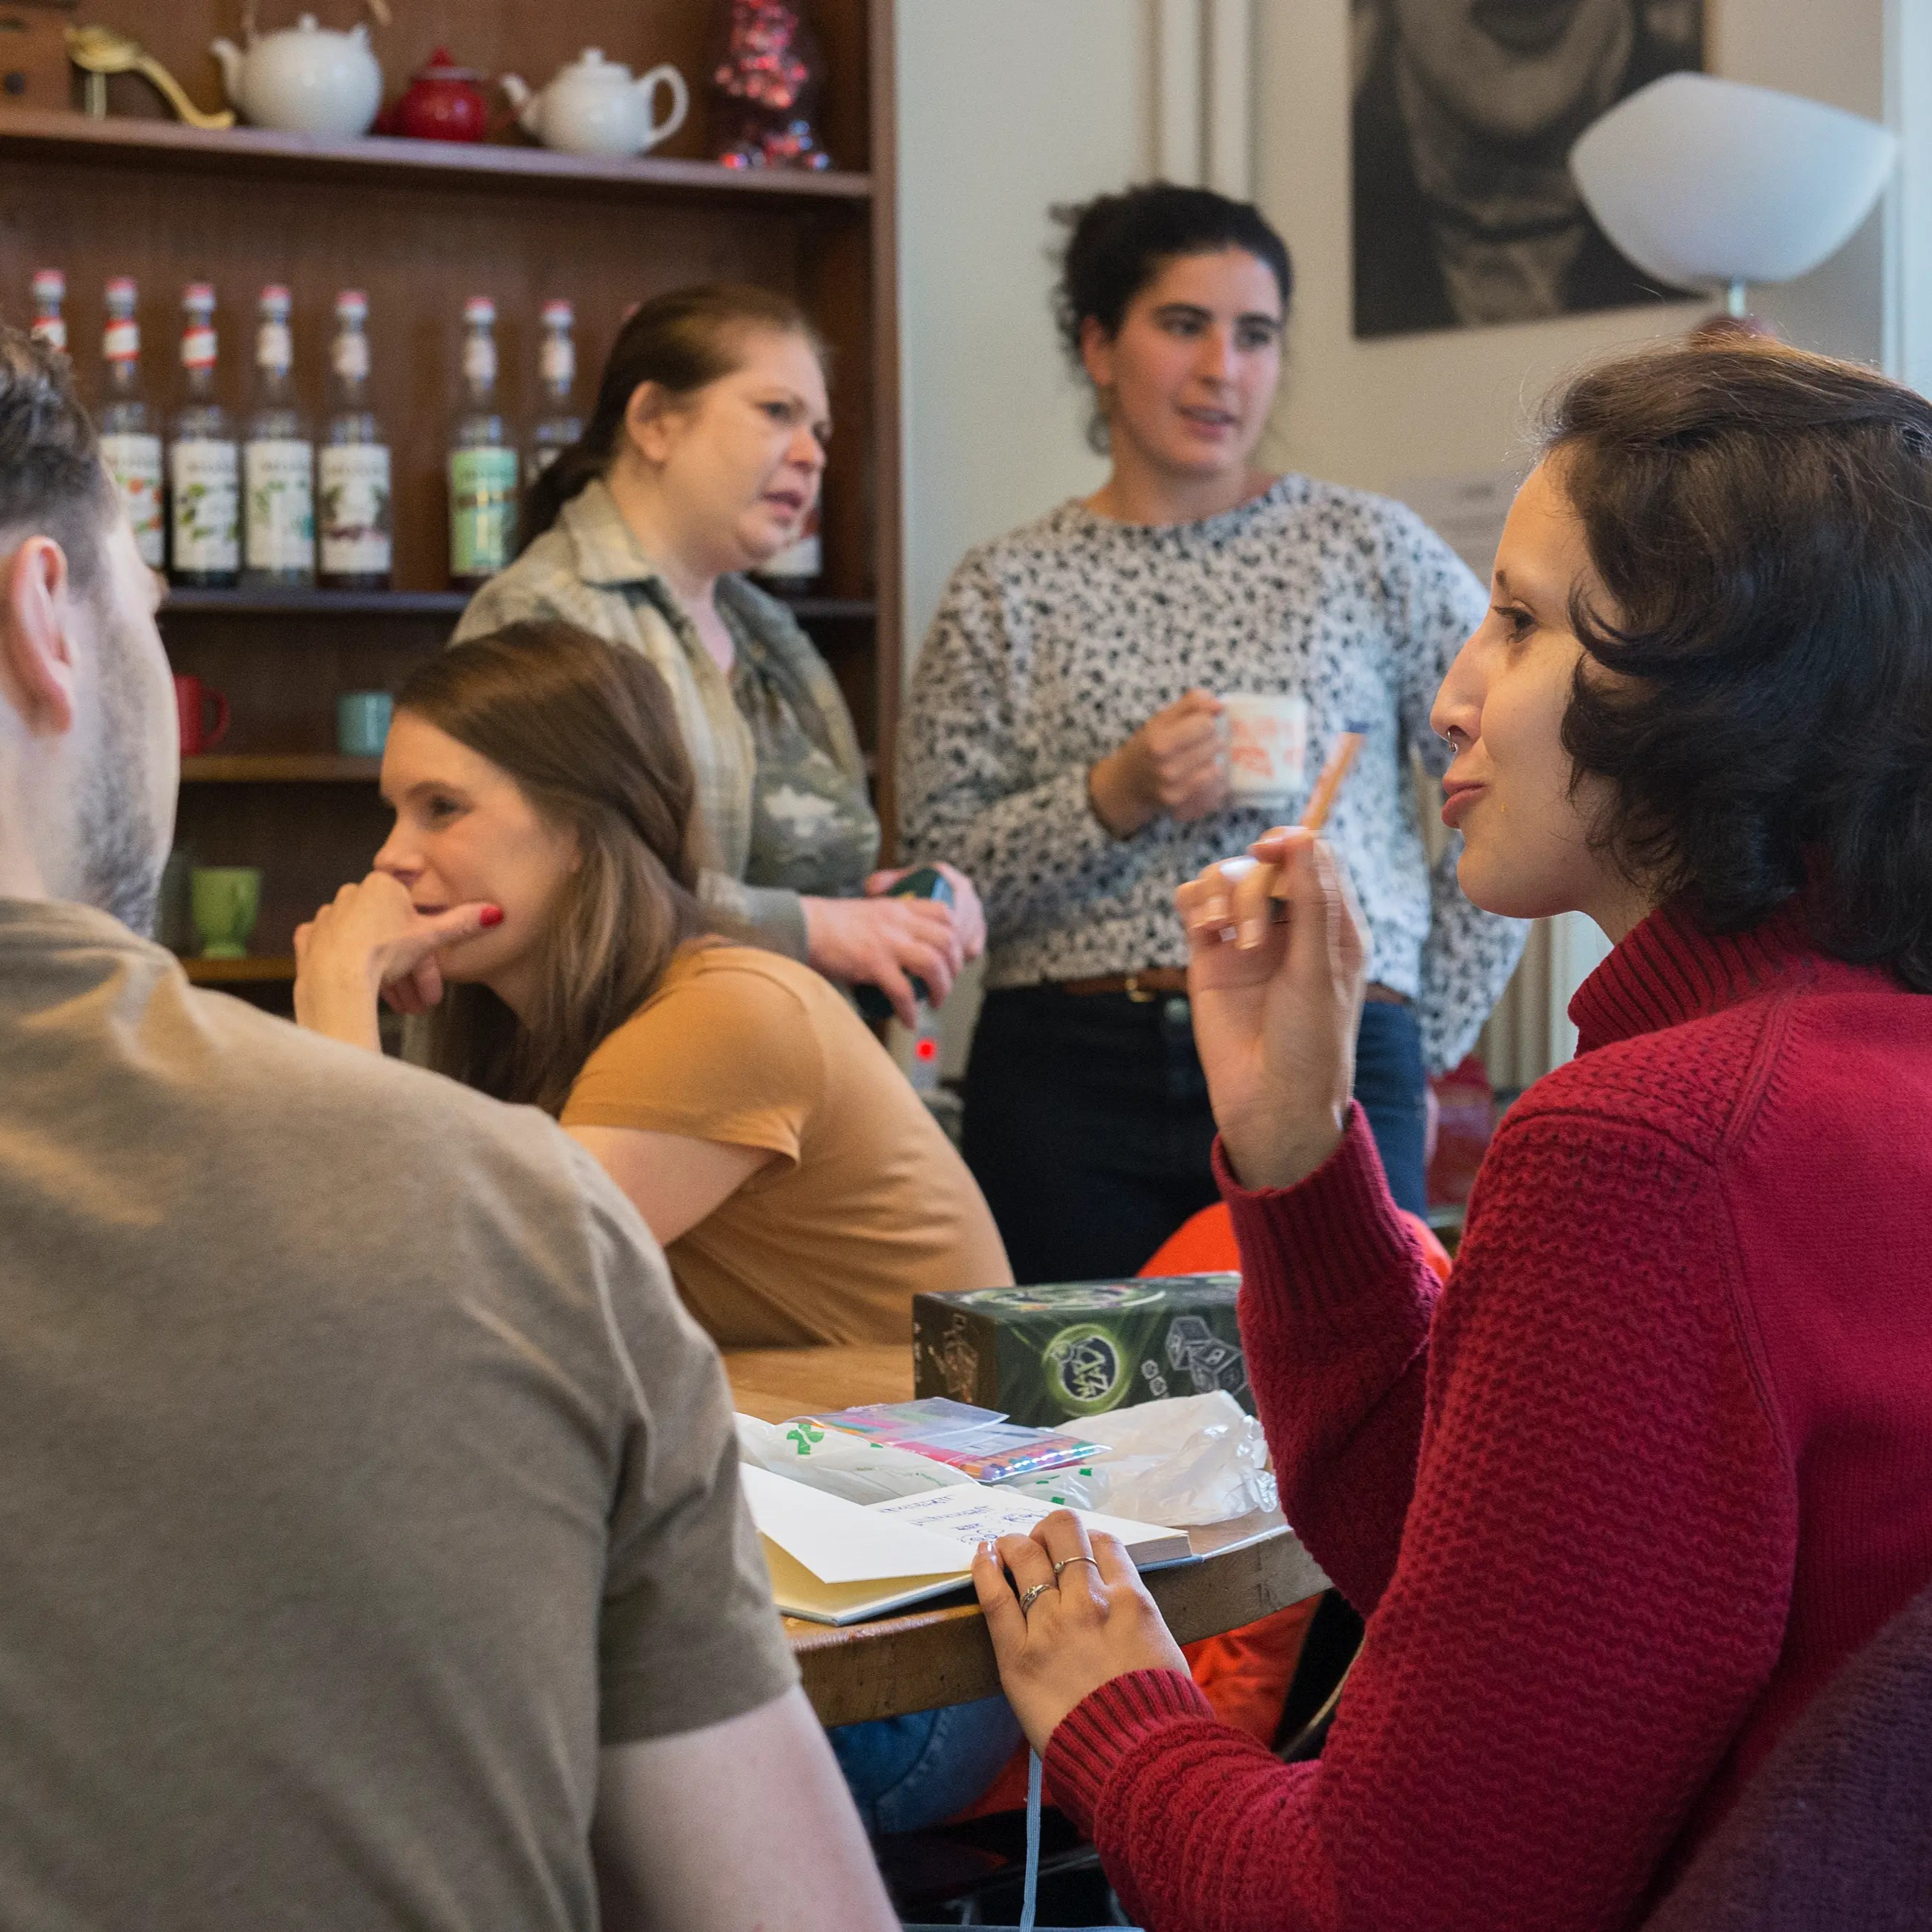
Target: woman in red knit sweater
(1618, 1499)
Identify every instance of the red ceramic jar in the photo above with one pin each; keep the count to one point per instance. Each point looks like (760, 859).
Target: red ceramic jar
(444, 102)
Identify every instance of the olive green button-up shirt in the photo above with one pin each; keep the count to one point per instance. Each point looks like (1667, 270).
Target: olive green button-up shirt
(781, 781)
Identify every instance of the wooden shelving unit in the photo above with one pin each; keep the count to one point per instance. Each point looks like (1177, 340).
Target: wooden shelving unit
(420, 225)
(255, 970)
(446, 604)
(279, 768)
(265, 154)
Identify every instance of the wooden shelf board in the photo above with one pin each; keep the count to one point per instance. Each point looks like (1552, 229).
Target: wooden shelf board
(228, 972)
(450, 604)
(271, 603)
(856, 609)
(279, 768)
(256, 150)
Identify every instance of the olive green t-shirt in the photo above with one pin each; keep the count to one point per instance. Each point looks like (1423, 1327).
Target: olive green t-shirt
(359, 1474)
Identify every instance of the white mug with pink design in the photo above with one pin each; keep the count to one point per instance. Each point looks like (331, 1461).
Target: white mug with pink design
(1265, 734)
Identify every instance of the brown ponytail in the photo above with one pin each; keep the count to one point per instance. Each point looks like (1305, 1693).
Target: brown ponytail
(682, 341)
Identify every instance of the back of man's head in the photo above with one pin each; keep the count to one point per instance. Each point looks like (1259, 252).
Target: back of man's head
(88, 757)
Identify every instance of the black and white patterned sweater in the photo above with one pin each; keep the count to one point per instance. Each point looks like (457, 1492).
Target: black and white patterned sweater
(1056, 642)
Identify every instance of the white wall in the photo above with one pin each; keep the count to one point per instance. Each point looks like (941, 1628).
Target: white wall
(1372, 413)
(1006, 107)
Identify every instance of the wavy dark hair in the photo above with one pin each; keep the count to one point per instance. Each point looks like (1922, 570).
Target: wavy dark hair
(588, 731)
(683, 341)
(1116, 244)
(1761, 520)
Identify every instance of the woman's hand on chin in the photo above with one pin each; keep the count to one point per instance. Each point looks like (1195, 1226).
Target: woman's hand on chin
(1093, 1621)
(1277, 1001)
(368, 943)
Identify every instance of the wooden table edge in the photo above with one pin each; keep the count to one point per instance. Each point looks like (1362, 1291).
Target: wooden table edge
(855, 1672)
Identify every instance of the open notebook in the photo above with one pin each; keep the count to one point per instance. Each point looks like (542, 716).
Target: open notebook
(834, 1561)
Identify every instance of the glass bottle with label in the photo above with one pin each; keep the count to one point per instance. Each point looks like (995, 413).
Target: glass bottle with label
(49, 325)
(204, 464)
(558, 426)
(482, 464)
(131, 443)
(357, 548)
(277, 461)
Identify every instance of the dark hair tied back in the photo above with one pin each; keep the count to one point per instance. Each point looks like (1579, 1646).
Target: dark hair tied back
(682, 341)
(1761, 519)
(1117, 243)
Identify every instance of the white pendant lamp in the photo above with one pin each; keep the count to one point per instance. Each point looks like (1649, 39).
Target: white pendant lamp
(1705, 182)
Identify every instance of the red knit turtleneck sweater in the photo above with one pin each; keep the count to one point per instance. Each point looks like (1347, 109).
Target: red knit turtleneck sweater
(1657, 1460)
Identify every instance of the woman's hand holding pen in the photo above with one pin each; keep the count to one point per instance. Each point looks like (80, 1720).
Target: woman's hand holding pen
(1276, 1002)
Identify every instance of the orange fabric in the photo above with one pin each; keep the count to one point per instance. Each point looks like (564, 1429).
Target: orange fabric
(1206, 1243)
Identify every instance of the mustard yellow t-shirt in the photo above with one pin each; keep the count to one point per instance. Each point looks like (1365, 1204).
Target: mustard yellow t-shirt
(867, 1204)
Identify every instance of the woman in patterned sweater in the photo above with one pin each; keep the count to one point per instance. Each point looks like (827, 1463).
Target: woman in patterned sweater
(1062, 742)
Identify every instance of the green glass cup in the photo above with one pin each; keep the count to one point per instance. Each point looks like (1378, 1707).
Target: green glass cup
(225, 899)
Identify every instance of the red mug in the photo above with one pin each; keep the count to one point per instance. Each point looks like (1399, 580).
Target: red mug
(192, 700)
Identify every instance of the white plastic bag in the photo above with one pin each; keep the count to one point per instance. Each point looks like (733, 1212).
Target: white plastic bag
(1187, 1460)
(841, 1464)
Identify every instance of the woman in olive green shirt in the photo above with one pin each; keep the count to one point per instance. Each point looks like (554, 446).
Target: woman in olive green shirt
(701, 460)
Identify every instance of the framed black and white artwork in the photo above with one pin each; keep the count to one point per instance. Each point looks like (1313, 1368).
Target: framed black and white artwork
(1464, 111)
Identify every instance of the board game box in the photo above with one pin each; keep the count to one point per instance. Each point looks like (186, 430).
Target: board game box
(1050, 1354)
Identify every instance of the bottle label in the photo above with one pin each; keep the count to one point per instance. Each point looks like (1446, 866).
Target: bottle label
(556, 362)
(479, 358)
(50, 332)
(120, 342)
(198, 349)
(134, 462)
(482, 510)
(204, 481)
(274, 348)
(349, 357)
(281, 479)
(356, 540)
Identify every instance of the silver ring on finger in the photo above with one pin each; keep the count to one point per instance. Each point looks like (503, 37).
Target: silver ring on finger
(1027, 1601)
(1066, 1561)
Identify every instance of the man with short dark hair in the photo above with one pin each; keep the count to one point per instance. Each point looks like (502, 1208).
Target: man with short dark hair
(370, 1543)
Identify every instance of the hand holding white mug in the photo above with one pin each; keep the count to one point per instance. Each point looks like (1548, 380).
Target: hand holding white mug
(1276, 1002)
(1176, 763)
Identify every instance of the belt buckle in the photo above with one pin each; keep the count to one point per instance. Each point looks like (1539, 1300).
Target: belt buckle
(1139, 994)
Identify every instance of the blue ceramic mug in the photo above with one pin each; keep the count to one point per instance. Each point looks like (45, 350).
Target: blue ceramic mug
(362, 723)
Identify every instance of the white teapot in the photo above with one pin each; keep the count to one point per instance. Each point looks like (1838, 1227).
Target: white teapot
(305, 80)
(593, 107)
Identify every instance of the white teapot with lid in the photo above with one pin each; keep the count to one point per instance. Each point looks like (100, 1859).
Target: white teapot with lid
(305, 80)
(593, 107)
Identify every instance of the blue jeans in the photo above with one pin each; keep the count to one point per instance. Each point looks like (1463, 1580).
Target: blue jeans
(1088, 1126)
(908, 1773)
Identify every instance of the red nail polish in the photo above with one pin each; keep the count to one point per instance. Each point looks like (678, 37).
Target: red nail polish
(491, 916)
